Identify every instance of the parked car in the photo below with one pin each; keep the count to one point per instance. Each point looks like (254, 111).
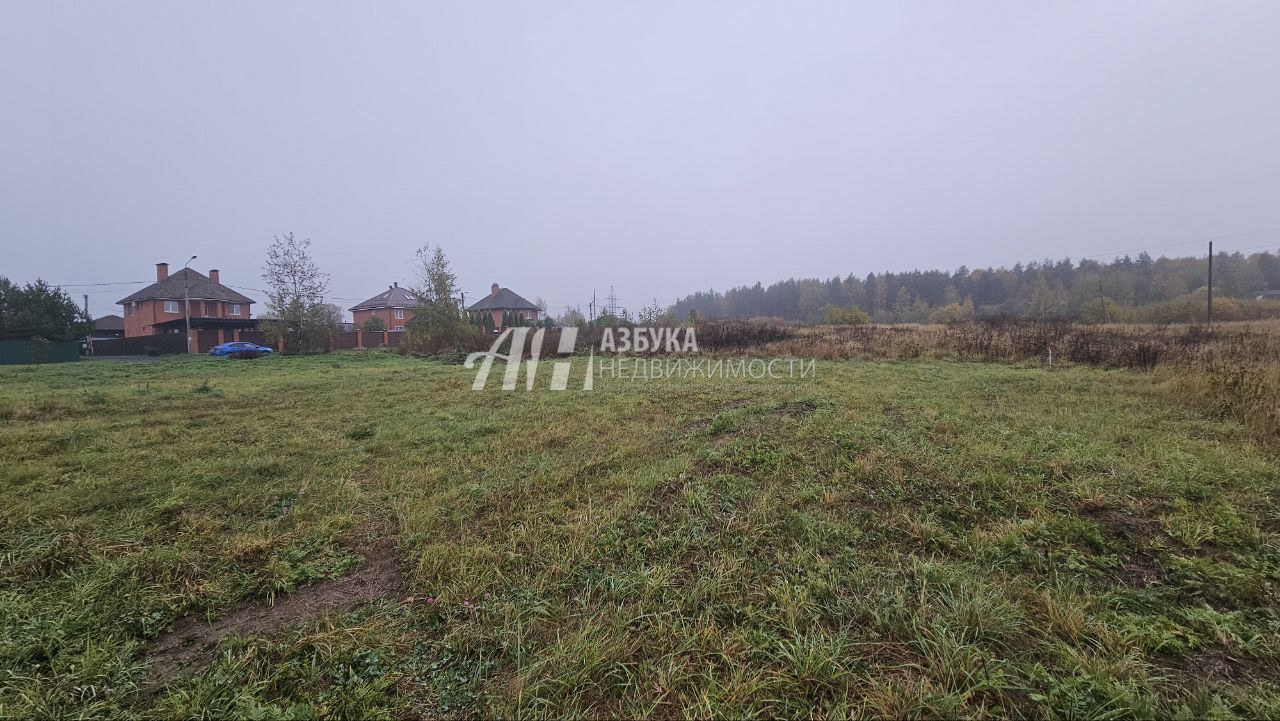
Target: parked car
(240, 349)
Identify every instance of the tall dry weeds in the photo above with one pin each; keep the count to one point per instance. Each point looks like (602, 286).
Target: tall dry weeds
(1232, 369)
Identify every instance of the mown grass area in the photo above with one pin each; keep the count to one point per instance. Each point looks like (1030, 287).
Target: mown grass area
(923, 538)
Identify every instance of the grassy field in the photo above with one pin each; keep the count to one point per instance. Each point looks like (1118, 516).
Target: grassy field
(886, 538)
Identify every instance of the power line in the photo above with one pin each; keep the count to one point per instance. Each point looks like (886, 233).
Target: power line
(1197, 241)
(265, 292)
(103, 310)
(94, 285)
(1268, 246)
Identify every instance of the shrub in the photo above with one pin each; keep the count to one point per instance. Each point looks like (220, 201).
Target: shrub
(953, 313)
(847, 316)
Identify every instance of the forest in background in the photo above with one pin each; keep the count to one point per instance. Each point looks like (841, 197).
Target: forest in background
(1128, 289)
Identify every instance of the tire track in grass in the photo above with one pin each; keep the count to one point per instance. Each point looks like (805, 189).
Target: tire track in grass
(192, 643)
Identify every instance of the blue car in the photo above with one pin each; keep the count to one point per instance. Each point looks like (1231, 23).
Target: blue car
(240, 349)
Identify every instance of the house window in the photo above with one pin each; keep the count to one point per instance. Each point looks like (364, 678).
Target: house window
(399, 327)
(133, 308)
(235, 309)
(399, 313)
(171, 306)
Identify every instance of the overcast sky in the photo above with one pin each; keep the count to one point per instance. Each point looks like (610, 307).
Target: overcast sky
(661, 147)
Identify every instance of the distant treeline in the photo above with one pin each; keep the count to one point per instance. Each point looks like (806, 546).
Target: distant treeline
(1163, 290)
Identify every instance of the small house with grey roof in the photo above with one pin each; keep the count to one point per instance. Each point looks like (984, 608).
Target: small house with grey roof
(500, 301)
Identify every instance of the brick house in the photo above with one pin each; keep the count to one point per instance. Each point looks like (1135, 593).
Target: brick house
(160, 308)
(502, 300)
(394, 306)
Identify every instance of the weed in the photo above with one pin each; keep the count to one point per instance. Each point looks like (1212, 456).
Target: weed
(95, 398)
(361, 432)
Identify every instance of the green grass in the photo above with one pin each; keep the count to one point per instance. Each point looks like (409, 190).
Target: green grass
(901, 539)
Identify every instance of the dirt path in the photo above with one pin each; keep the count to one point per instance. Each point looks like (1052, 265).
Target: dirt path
(192, 643)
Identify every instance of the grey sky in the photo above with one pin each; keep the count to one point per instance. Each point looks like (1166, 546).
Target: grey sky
(659, 147)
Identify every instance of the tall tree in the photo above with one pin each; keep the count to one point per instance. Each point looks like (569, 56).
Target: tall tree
(40, 311)
(437, 323)
(295, 297)
(1044, 300)
(8, 296)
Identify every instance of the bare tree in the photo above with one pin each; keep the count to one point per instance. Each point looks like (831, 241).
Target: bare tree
(437, 322)
(295, 296)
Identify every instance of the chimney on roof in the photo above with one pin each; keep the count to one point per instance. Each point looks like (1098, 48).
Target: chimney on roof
(162, 271)
(395, 284)
(493, 292)
(213, 276)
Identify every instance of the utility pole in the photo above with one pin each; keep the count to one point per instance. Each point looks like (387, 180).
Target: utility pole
(591, 307)
(88, 341)
(186, 299)
(1208, 311)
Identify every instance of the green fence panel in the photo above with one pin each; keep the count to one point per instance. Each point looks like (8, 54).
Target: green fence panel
(29, 351)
